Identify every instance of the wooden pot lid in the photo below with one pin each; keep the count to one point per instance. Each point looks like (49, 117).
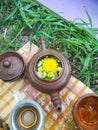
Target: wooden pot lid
(11, 66)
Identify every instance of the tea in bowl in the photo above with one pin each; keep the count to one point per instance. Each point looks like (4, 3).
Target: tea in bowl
(85, 112)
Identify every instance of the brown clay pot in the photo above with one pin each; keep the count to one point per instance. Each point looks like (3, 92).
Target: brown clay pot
(51, 87)
(85, 112)
(12, 66)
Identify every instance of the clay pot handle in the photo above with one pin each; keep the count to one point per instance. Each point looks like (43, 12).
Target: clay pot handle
(56, 101)
(43, 43)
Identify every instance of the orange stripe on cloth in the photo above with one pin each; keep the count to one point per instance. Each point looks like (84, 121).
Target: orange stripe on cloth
(1, 83)
(7, 117)
(6, 103)
(5, 93)
(9, 88)
(74, 84)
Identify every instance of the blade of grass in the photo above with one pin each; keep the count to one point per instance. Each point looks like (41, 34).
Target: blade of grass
(89, 18)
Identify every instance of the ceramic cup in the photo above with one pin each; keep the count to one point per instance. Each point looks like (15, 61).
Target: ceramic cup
(85, 112)
(26, 115)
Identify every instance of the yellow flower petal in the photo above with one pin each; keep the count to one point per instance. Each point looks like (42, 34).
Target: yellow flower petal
(50, 65)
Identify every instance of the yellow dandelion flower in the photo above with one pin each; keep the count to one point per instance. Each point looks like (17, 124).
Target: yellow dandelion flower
(48, 68)
(50, 65)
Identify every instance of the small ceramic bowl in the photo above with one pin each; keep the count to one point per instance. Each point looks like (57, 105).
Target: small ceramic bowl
(26, 115)
(85, 112)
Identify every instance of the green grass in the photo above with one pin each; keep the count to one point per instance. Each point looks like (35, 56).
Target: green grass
(76, 40)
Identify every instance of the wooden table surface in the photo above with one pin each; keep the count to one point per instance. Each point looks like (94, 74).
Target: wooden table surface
(53, 120)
